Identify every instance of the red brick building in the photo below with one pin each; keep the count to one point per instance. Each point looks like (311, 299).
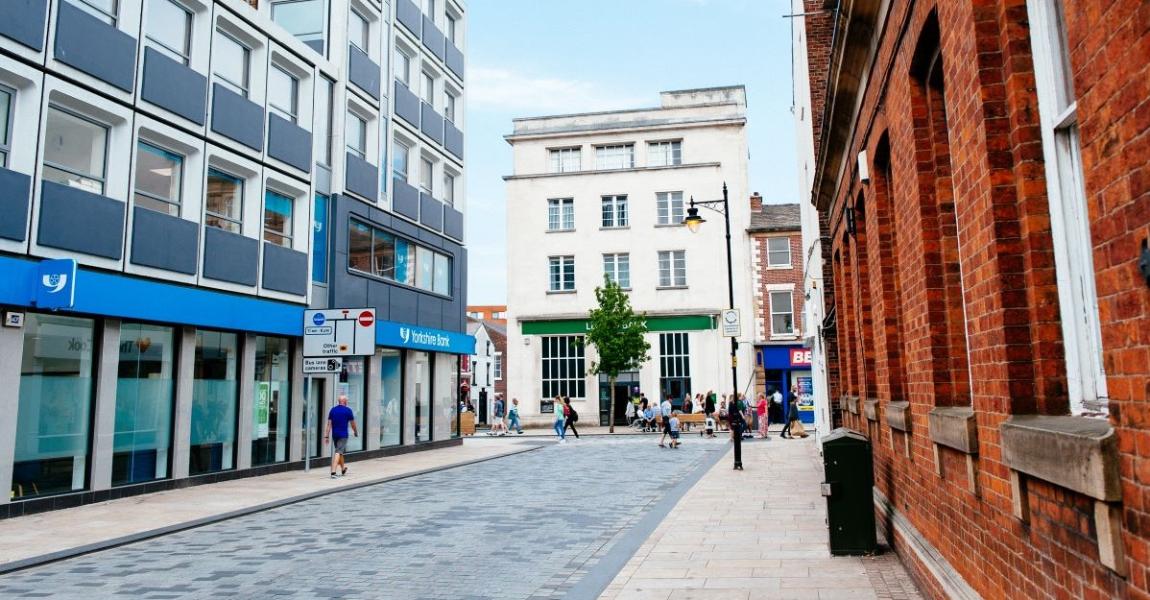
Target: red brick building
(777, 253)
(983, 178)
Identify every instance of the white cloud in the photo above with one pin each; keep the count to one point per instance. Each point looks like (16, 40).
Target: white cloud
(529, 95)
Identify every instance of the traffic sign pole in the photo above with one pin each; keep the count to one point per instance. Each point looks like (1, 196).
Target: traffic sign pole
(307, 424)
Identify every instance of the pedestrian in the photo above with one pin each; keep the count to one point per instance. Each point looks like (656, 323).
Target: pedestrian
(513, 415)
(674, 426)
(338, 420)
(665, 419)
(630, 413)
(687, 409)
(483, 403)
(761, 413)
(722, 411)
(737, 423)
(497, 427)
(648, 419)
(792, 416)
(560, 419)
(571, 417)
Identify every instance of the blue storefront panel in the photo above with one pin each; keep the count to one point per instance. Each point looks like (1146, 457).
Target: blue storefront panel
(787, 366)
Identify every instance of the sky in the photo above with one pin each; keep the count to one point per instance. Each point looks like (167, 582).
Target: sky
(529, 58)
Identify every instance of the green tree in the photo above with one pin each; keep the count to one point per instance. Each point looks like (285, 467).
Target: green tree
(618, 336)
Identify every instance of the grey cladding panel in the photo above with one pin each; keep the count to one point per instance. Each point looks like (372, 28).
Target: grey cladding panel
(406, 104)
(409, 15)
(454, 59)
(164, 242)
(289, 142)
(432, 123)
(453, 223)
(433, 38)
(405, 199)
(363, 71)
(285, 270)
(453, 139)
(15, 188)
(174, 86)
(94, 47)
(72, 219)
(430, 312)
(430, 212)
(23, 22)
(362, 177)
(404, 305)
(230, 256)
(237, 117)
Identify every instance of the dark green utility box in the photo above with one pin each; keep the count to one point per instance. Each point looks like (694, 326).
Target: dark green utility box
(848, 476)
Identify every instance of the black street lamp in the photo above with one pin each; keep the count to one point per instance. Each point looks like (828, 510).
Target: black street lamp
(693, 221)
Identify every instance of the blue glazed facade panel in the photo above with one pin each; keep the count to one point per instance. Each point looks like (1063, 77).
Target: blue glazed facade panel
(237, 118)
(174, 86)
(230, 257)
(24, 22)
(72, 219)
(15, 189)
(164, 242)
(94, 47)
(289, 142)
(285, 270)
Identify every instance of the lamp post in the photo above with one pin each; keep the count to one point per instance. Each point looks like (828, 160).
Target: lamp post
(693, 221)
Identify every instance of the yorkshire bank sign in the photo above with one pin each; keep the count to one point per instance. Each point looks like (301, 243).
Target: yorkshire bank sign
(405, 335)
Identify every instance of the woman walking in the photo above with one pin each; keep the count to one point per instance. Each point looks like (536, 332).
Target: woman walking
(571, 417)
(761, 411)
(560, 419)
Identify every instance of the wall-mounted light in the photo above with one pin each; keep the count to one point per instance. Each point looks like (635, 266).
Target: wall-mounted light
(864, 170)
(850, 216)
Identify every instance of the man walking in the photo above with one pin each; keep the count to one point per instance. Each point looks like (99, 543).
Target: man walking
(497, 427)
(665, 413)
(338, 420)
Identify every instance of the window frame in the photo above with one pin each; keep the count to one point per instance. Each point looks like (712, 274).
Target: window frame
(449, 187)
(427, 175)
(665, 202)
(289, 222)
(98, 12)
(323, 27)
(563, 209)
(564, 264)
(185, 56)
(353, 13)
(243, 89)
(790, 311)
(427, 87)
(606, 152)
(557, 159)
(673, 155)
(293, 114)
(616, 260)
(376, 232)
(449, 100)
(612, 205)
(395, 154)
(103, 178)
(240, 194)
(672, 265)
(403, 67)
(771, 252)
(179, 201)
(361, 152)
(6, 133)
(562, 366)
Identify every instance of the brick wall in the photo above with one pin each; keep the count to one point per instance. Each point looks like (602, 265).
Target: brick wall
(765, 277)
(946, 292)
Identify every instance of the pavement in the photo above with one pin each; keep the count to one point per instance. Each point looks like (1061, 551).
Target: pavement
(614, 517)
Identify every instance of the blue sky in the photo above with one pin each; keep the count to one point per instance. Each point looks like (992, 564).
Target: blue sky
(539, 57)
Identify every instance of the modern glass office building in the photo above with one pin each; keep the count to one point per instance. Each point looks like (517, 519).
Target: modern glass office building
(213, 168)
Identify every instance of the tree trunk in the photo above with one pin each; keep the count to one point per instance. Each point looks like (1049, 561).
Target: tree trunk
(611, 412)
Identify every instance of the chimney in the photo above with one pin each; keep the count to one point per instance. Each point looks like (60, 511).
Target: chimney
(255, 3)
(756, 203)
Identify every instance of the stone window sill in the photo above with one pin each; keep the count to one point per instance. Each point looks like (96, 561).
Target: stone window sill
(955, 428)
(1076, 453)
(853, 404)
(870, 409)
(898, 415)
(559, 292)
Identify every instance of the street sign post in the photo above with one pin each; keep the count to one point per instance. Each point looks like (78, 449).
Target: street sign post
(731, 323)
(318, 366)
(339, 332)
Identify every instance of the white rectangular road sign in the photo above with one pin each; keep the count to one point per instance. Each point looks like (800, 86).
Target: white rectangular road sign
(731, 323)
(318, 366)
(339, 332)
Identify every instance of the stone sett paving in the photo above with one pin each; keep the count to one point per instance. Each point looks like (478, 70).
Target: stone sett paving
(525, 526)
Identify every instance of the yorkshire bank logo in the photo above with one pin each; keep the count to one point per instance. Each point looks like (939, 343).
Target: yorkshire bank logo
(427, 339)
(55, 282)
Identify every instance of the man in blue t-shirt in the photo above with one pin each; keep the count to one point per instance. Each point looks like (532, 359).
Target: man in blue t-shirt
(337, 421)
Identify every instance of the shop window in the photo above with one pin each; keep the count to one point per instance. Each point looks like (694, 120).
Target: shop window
(75, 151)
(53, 421)
(278, 219)
(563, 366)
(214, 402)
(319, 240)
(225, 201)
(352, 384)
(272, 400)
(422, 378)
(145, 394)
(674, 365)
(376, 252)
(391, 398)
(159, 175)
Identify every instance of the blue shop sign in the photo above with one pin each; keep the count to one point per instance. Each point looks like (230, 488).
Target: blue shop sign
(404, 335)
(56, 284)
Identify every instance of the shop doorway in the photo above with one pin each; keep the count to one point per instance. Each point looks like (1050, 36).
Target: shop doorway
(676, 388)
(315, 416)
(625, 385)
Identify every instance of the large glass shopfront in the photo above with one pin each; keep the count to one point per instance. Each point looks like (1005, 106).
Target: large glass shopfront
(391, 398)
(53, 422)
(214, 402)
(422, 380)
(145, 395)
(271, 401)
(353, 385)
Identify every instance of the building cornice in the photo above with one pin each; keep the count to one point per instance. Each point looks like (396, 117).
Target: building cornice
(706, 165)
(681, 312)
(610, 128)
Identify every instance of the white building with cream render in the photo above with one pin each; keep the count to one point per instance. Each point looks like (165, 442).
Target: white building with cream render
(605, 194)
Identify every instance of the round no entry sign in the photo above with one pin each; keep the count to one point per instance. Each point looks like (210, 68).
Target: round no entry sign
(366, 319)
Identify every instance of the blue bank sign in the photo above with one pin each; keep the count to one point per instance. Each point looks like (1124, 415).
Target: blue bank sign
(56, 284)
(404, 335)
